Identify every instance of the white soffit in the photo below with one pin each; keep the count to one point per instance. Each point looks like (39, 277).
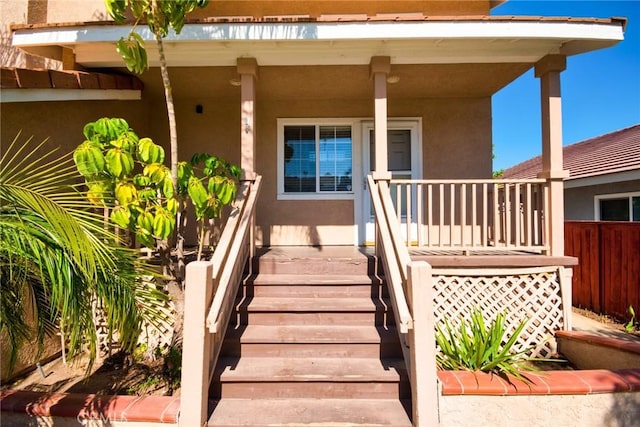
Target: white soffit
(321, 43)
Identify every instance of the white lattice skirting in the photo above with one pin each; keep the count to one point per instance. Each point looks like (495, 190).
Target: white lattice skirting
(533, 293)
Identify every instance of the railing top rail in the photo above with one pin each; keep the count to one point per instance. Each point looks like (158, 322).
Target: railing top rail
(469, 181)
(397, 262)
(245, 205)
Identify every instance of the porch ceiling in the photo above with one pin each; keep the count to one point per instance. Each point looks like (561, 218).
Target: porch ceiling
(334, 43)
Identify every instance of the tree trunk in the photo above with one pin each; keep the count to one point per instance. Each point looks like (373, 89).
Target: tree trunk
(173, 137)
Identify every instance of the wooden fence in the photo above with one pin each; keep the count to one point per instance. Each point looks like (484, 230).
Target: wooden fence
(607, 280)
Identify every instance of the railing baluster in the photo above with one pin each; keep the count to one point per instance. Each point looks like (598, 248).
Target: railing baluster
(452, 207)
(484, 232)
(420, 213)
(497, 231)
(441, 219)
(408, 215)
(474, 213)
(507, 215)
(516, 215)
(429, 215)
(463, 213)
(528, 212)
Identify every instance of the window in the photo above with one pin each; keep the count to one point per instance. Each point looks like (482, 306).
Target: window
(618, 207)
(315, 159)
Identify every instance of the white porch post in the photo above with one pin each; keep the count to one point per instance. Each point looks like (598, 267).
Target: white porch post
(548, 70)
(380, 67)
(248, 70)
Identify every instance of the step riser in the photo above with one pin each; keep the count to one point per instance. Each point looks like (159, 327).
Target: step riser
(324, 318)
(321, 390)
(314, 291)
(392, 350)
(315, 266)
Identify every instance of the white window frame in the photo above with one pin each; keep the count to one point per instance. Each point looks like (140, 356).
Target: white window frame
(629, 196)
(355, 154)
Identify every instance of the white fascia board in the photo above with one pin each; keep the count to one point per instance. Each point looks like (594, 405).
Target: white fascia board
(44, 95)
(630, 175)
(331, 31)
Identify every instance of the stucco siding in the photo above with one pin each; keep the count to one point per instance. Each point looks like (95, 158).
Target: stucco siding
(456, 133)
(579, 202)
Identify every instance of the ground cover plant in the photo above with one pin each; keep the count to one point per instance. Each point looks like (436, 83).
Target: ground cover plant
(477, 346)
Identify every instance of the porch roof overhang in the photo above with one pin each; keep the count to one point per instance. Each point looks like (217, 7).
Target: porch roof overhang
(334, 42)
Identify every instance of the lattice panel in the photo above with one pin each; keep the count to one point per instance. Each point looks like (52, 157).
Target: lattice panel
(534, 294)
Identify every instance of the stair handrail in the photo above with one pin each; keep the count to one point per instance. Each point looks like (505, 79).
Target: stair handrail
(228, 259)
(410, 286)
(393, 250)
(210, 291)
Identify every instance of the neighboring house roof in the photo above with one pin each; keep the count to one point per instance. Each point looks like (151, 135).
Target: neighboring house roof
(611, 153)
(18, 85)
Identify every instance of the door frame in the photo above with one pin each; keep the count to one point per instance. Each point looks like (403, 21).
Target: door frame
(366, 233)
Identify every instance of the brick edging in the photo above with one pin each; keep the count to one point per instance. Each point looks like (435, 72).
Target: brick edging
(159, 409)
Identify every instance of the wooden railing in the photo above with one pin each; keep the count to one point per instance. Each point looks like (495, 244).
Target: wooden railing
(409, 284)
(210, 292)
(480, 214)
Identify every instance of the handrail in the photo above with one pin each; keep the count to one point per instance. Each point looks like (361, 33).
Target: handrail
(389, 230)
(210, 292)
(228, 254)
(411, 292)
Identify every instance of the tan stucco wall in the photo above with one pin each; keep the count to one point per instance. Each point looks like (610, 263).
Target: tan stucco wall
(579, 202)
(456, 131)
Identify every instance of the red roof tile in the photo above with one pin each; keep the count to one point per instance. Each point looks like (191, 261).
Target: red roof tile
(617, 151)
(335, 18)
(22, 78)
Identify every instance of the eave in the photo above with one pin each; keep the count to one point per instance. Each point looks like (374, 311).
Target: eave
(304, 42)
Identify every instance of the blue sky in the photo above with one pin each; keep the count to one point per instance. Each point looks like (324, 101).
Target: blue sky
(600, 89)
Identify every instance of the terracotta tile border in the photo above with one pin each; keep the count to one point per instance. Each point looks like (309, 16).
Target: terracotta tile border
(541, 383)
(618, 344)
(159, 409)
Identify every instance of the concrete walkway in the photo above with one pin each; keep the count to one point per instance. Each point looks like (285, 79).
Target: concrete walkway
(584, 324)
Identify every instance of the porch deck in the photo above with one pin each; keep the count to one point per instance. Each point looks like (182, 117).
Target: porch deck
(440, 258)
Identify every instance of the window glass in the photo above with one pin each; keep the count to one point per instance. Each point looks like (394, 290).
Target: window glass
(335, 158)
(317, 159)
(635, 207)
(614, 209)
(299, 159)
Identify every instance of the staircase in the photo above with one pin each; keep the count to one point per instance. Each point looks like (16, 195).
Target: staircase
(313, 343)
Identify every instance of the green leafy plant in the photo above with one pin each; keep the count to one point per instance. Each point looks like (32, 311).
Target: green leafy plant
(476, 346)
(126, 173)
(632, 324)
(57, 259)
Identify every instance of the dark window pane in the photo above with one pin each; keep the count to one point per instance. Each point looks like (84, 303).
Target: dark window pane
(299, 159)
(614, 209)
(635, 207)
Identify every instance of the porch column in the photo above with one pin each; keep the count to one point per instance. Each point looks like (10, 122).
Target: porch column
(248, 71)
(380, 67)
(548, 71)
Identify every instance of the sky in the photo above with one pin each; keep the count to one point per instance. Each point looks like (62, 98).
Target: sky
(600, 89)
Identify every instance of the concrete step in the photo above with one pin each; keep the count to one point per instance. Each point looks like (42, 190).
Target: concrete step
(314, 311)
(310, 412)
(310, 377)
(313, 286)
(312, 341)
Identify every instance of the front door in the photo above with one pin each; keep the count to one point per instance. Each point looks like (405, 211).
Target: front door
(404, 162)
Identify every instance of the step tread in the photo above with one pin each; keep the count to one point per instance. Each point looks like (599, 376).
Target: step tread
(313, 279)
(309, 412)
(312, 334)
(313, 304)
(309, 369)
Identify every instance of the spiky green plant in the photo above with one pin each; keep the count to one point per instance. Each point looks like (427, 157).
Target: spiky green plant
(476, 346)
(56, 258)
